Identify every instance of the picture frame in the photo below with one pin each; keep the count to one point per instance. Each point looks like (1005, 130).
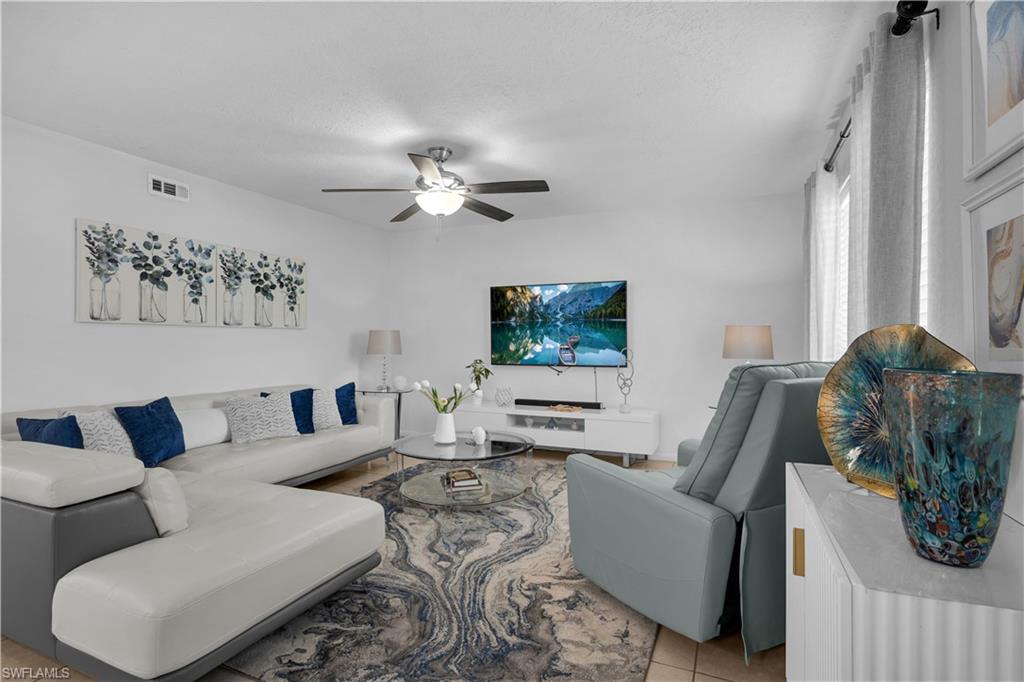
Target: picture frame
(993, 111)
(127, 275)
(993, 222)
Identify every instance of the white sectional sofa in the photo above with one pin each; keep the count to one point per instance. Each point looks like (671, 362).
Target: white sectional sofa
(87, 579)
(289, 461)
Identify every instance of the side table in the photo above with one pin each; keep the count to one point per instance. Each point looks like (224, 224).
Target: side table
(398, 403)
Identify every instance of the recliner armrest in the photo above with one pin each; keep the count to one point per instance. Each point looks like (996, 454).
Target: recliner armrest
(663, 552)
(687, 449)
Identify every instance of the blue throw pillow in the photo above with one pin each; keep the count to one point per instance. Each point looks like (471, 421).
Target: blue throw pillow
(63, 431)
(346, 397)
(302, 409)
(154, 430)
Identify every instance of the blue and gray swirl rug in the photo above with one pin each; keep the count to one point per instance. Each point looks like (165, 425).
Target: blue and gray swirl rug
(487, 594)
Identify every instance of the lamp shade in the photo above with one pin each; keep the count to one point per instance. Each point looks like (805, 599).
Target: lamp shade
(384, 342)
(440, 202)
(748, 342)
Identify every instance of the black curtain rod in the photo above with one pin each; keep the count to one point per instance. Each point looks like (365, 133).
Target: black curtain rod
(907, 13)
(830, 165)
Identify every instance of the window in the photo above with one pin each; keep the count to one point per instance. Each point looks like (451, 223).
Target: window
(841, 316)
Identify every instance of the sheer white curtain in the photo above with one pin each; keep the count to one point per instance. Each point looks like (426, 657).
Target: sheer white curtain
(869, 275)
(860, 197)
(821, 259)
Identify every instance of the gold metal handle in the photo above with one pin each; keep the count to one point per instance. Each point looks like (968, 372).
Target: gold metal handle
(798, 552)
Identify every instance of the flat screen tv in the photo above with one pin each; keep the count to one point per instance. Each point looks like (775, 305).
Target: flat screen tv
(579, 324)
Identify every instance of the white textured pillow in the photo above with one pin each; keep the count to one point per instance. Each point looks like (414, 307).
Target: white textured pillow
(102, 430)
(252, 419)
(204, 427)
(165, 500)
(325, 410)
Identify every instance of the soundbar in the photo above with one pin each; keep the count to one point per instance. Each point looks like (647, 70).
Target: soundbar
(533, 402)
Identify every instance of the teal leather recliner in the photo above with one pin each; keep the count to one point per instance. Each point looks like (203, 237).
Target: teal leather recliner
(701, 546)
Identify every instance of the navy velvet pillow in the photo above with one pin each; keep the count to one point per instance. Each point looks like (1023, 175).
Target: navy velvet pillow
(302, 409)
(63, 431)
(154, 430)
(346, 397)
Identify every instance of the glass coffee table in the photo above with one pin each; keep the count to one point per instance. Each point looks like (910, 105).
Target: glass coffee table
(500, 472)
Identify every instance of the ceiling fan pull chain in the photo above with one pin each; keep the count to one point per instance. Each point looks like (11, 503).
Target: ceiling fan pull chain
(437, 233)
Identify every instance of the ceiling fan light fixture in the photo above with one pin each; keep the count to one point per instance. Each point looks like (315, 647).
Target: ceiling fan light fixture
(440, 202)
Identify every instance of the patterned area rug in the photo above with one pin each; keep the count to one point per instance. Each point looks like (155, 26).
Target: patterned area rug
(485, 594)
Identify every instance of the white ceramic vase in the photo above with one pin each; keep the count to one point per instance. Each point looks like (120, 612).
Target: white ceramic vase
(444, 429)
(504, 396)
(478, 397)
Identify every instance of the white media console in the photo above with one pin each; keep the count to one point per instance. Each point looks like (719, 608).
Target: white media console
(631, 434)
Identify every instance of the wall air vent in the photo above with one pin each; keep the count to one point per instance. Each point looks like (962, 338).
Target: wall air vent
(172, 189)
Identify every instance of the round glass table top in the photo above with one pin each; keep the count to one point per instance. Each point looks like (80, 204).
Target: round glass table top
(499, 444)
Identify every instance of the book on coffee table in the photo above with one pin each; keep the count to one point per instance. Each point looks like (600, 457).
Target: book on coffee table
(461, 479)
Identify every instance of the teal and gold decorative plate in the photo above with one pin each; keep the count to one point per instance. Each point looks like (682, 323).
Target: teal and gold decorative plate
(850, 416)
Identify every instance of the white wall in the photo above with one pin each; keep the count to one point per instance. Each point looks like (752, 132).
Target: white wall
(50, 179)
(691, 270)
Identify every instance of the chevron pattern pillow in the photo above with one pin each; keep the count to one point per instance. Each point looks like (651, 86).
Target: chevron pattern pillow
(325, 410)
(256, 418)
(102, 431)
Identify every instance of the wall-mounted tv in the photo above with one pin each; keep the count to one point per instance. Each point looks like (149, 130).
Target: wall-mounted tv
(579, 324)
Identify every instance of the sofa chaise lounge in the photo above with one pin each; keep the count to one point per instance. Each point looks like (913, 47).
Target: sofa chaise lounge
(87, 579)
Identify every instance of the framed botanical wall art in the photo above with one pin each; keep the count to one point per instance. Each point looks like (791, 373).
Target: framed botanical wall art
(993, 82)
(127, 275)
(260, 289)
(994, 221)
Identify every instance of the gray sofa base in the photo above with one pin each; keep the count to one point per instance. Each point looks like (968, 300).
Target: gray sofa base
(40, 545)
(335, 468)
(102, 671)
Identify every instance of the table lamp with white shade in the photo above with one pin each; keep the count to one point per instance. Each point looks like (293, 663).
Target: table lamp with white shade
(748, 342)
(384, 342)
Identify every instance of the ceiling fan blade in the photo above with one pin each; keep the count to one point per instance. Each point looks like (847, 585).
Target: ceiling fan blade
(427, 168)
(407, 213)
(510, 187)
(492, 212)
(366, 190)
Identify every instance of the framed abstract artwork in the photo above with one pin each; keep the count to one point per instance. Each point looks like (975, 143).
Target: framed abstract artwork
(994, 226)
(127, 275)
(993, 82)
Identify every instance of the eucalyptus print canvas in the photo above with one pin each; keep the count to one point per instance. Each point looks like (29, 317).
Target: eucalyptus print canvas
(128, 275)
(259, 289)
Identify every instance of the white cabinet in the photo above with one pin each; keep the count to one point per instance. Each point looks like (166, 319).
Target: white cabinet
(608, 431)
(861, 605)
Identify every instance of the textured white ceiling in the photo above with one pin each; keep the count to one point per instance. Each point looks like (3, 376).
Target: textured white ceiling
(614, 104)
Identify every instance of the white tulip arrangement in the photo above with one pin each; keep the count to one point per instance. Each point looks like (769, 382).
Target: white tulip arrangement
(443, 405)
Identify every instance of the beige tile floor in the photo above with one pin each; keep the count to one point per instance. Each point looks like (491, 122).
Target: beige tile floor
(675, 659)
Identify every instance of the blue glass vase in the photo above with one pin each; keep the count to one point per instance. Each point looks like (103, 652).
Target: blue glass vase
(951, 438)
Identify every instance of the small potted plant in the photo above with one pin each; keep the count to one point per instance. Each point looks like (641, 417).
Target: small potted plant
(479, 372)
(444, 425)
